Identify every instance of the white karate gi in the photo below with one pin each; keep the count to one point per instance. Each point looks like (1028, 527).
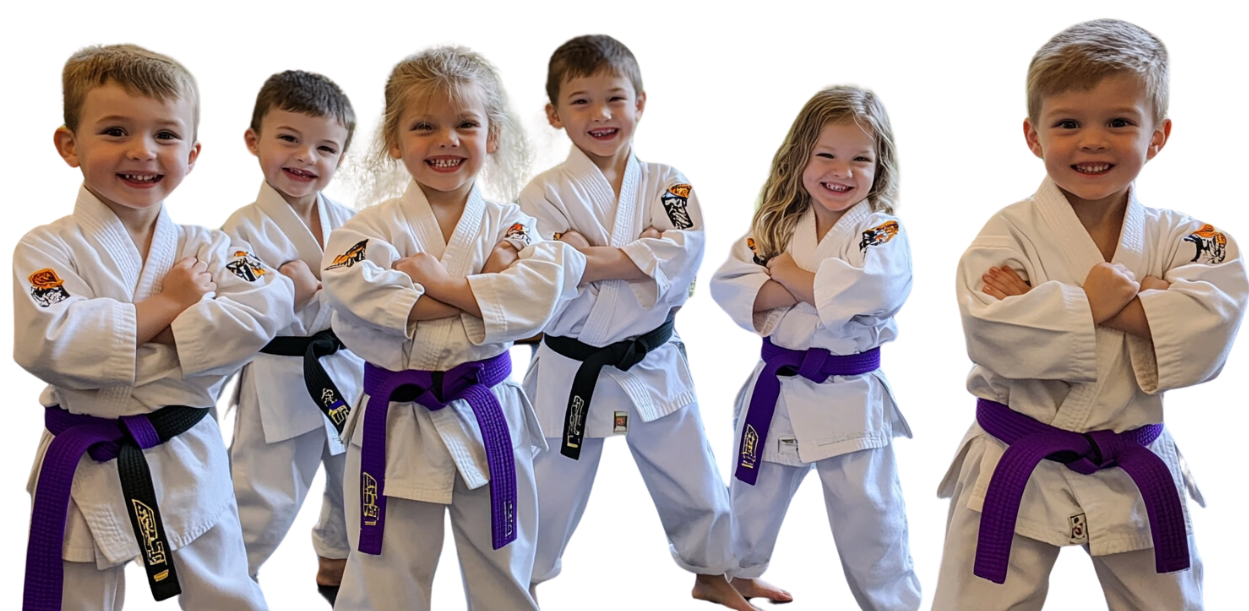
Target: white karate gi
(656, 396)
(427, 449)
(842, 426)
(81, 341)
(280, 435)
(1040, 354)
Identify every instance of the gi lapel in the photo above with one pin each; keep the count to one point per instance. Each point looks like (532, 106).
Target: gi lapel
(112, 242)
(299, 234)
(625, 229)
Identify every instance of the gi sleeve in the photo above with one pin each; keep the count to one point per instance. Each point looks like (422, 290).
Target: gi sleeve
(359, 282)
(1045, 334)
(672, 260)
(871, 284)
(62, 333)
(218, 335)
(1194, 321)
(736, 285)
(551, 221)
(519, 301)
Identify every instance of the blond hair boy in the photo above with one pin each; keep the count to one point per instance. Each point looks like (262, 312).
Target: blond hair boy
(134, 322)
(1081, 307)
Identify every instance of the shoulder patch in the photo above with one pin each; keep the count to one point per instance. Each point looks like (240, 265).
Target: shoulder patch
(354, 255)
(518, 231)
(750, 243)
(676, 202)
(47, 288)
(879, 235)
(1211, 245)
(247, 266)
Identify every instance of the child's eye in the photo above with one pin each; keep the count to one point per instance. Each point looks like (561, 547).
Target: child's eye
(578, 102)
(619, 98)
(420, 127)
(115, 132)
(863, 159)
(167, 135)
(286, 138)
(1067, 124)
(329, 149)
(1120, 123)
(468, 125)
(825, 155)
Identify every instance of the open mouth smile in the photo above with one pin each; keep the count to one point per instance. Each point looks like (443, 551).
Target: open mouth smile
(140, 180)
(1092, 169)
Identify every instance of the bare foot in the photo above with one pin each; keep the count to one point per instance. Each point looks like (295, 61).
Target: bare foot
(716, 589)
(330, 571)
(758, 588)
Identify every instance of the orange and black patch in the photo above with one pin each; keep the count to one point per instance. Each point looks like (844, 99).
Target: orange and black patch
(676, 204)
(354, 255)
(879, 235)
(247, 266)
(519, 231)
(1210, 243)
(47, 288)
(750, 243)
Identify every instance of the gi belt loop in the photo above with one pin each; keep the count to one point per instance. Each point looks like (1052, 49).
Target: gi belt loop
(434, 390)
(104, 439)
(622, 355)
(815, 364)
(1030, 442)
(320, 386)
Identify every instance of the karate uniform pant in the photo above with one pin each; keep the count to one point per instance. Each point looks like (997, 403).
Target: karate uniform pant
(865, 510)
(1129, 580)
(271, 481)
(676, 463)
(402, 577)
(211, 571)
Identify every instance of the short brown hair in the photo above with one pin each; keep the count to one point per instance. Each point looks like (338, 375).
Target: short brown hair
(305, 93)
(1082, 55)
(588, 56)
(133, 68)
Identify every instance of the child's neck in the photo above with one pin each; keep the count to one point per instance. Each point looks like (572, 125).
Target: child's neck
(613, 168)
(825, 219)
(306, 209)
(448, 207)
(140, 223)
(1103, 219)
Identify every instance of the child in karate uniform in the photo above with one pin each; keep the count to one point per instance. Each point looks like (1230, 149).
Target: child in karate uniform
(825, 268)
(1081, 306)
(431, 289)
(135, 322)
(288, 424)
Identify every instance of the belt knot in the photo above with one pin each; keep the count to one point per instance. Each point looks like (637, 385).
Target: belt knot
(812, 364)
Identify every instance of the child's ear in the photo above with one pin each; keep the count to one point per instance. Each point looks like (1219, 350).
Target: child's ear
(1033, 137)
(252, 139)
(552, 117)
(65, 145)
(641, 103)
(192, 156)
(492, 142)
(1159, 139)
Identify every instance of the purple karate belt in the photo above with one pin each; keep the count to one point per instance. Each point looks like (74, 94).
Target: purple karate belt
(1030, 441)
(815, 364)
(104, 439)
(434, 390)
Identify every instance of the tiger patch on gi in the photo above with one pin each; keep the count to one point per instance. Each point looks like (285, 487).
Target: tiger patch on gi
(676, 204)
(247, 266)
(878, 235)
(519, 233)
(750, 243)
(354, 255)
(47, 288)
(1210, 243)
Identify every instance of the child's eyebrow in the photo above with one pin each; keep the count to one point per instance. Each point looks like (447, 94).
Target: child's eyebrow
(1065, 110)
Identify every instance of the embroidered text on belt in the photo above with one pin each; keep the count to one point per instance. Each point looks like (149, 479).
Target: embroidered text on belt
(815, 364)
(104, 439)
(622, 355)
(434, 390)
(320, 387)
(1031, 441)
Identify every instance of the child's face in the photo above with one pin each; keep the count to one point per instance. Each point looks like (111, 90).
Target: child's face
(444, 142)
(298, 153)
(841, 169)
(599, 113)
(133, 150)
(1095, 142)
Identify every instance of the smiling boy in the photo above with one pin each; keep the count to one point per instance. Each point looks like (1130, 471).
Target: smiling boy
(641, 230)
(134, 322)
(1115, 304)
(288, 422)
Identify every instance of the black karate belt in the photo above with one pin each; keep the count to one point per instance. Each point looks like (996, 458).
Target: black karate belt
(622, 355)
(320, 387)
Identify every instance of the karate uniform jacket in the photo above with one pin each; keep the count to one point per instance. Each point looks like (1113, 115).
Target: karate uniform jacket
(1041, 354)
(862, 270)
(75, 283)
(576, 196)
(371, 302)
(278, 236)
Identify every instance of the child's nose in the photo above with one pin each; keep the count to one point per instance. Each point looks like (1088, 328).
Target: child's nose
(142, 148)
(448, 137)
(1093, 140)
(601, 111)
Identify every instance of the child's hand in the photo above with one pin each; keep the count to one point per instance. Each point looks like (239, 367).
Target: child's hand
(780, 266)
(1154, 283)
(574, 239)
(164, 337)
(187, 282)
(1003, 282)
(306, 284)
(1110, 287)
(424, 269)
(503, 256)
(650, 232)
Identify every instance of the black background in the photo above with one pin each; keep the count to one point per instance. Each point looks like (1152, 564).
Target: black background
(720, 103)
